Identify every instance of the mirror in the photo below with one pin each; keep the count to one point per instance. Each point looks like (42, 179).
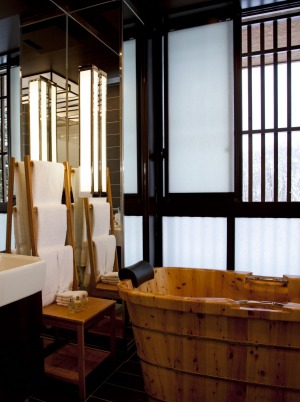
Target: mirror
(55, 44)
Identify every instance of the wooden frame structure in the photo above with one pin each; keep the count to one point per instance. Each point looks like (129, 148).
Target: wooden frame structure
(100, 289)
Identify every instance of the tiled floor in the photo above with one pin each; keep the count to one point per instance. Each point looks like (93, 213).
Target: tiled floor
(118, 381)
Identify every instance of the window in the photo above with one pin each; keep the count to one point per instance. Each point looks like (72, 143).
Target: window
(271, 100)
(3, 135)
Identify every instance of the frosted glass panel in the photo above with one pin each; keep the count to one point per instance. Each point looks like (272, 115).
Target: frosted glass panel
(201, 109)
(129, 117)
(295, 93)
(194, 242)
(3, 232)
(15, 129)
(133, 239)
(267, 246)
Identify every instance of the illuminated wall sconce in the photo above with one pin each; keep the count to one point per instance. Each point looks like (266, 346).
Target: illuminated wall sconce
(92, 130)
(42, 119)
(103, 110)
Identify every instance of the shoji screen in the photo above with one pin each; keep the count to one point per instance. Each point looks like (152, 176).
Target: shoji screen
(133, 239)
(200, 85)
(194, 242)
(129, 118)
(267, 246)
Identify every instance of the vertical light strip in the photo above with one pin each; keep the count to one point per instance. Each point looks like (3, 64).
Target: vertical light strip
(92, 107)
(34, 121)
(103, 110)
(95, 129)
(43, 121)
(53, 123)
(85, 130)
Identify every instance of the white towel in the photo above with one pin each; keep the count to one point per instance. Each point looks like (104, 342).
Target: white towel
(65, 268)
(51, 281)
(104, 249)
(22, 240)
(66, 295)
(47, 182)
(63, 298)
(78, 213)
(111, 278)
(110, 248)
(100, 217)
(51, 224)
(20, 213)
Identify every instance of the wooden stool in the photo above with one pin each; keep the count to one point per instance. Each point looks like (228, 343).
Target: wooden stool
(73, 362)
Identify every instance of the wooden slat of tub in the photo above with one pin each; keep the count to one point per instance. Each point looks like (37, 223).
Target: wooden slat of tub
(217, 283)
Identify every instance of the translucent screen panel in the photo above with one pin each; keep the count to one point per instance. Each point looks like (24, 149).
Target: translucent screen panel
(15, 129)
(295, 92)
(133, 239)
(194, 242)
(129, 117)
(201, 109)
(267, 246)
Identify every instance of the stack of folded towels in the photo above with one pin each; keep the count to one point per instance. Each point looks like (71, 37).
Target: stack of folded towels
(63, 298)
(111, 278)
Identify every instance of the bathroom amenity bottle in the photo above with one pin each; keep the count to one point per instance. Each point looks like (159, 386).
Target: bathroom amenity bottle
(71, 306)
(78, 306)
(83, 302)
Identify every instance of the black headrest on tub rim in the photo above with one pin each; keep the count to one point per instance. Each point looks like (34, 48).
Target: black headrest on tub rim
(139, 273)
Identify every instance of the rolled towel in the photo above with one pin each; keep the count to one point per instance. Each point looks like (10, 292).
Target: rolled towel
(139, 273)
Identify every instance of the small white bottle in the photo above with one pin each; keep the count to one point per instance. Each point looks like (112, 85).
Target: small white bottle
(71, 306)
(83, 301)
(77, 303)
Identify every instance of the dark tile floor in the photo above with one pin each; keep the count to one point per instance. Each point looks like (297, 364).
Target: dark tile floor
(114, 381)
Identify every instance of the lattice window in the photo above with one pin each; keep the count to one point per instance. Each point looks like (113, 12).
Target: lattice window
(271, 108)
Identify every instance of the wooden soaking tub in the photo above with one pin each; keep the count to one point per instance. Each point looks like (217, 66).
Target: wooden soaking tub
(215, 336)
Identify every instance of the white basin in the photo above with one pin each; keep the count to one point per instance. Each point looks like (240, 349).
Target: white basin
(20, 276)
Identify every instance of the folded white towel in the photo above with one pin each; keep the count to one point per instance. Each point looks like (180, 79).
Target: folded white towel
(109, 281)
(20, 213)
(51, 223)
(104, 249)
(47, 182)
(111, 275)
(111, 278)
(64, 304)
(100, 214)
(65, 268)
(51, 281)
(65, 296)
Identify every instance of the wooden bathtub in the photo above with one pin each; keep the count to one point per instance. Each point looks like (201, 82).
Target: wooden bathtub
(214, 336)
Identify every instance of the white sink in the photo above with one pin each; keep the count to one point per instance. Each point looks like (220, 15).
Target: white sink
(20, 276)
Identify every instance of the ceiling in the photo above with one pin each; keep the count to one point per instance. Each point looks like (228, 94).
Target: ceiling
(93, 27)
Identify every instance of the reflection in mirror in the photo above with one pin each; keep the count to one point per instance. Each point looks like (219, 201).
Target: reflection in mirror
(54, 45)
(132, 225)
